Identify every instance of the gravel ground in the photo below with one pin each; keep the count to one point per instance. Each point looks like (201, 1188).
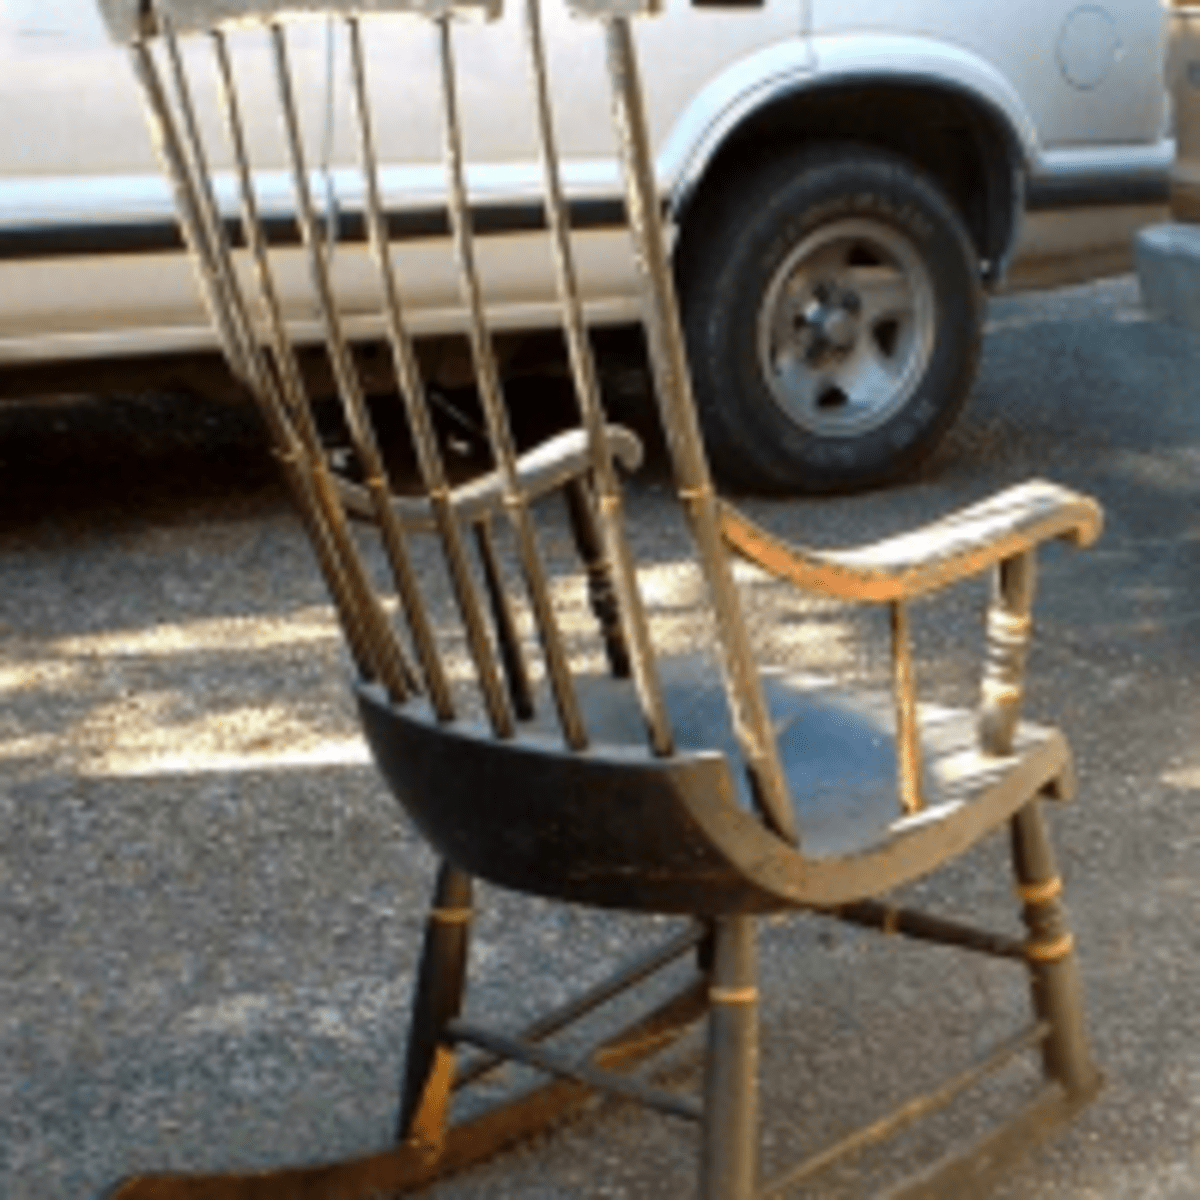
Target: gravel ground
(209, 908)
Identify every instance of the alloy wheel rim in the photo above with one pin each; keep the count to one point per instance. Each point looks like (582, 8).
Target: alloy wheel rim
(846, 328)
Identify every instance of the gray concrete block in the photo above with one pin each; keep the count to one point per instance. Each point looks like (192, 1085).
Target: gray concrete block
(1168, 267)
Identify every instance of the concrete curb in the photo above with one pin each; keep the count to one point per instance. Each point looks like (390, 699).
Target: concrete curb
(1168, 267)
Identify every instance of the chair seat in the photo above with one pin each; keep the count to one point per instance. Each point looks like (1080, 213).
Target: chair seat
(616, 826)
(837, 746)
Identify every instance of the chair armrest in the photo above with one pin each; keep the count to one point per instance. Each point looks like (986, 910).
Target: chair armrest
(546, 467)
(922, 560)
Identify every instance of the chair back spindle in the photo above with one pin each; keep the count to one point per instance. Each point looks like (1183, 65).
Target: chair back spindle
(587, 388)
(254, 330)
(668, 357)
(349, 387)
(492, 397)
(374, 646)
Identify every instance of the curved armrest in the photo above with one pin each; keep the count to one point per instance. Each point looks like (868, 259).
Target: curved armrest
(958, 546)
(540, 470)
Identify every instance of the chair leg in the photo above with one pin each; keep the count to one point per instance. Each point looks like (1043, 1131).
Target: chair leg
(437, 999)
(1053, 970)
(729, 1134)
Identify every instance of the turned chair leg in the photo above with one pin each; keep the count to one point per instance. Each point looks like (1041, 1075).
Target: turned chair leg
(437, 1000)
(729, 1134)
(1053, 970)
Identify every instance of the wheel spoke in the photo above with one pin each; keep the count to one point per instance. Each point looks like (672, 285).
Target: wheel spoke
(797, 384)
(871, 378)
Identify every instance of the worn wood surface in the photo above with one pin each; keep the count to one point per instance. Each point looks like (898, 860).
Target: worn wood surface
(543, 469)
(923, 560)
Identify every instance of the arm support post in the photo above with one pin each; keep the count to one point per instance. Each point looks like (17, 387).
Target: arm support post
(1009, 625)
(908, 730)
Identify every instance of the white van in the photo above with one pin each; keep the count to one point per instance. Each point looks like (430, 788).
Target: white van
(844, 179)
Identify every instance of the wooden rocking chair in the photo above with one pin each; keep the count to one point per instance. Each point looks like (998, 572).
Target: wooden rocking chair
(708, 787)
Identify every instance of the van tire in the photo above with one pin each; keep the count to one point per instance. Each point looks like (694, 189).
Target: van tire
(833, 312)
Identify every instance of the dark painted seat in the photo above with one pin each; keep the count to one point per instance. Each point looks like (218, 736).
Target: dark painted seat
(621, 828)
(712, 785)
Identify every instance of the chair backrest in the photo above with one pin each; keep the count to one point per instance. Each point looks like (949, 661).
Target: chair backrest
(237, 268)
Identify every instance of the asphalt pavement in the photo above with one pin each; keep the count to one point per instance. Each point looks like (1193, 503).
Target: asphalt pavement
(209, 908)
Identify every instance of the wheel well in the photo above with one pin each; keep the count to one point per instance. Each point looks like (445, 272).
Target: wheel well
(955, 138)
